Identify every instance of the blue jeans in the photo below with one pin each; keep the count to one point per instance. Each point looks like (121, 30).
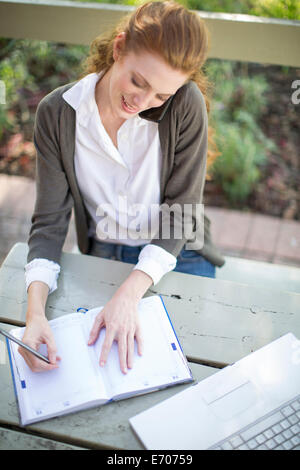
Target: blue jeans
(188, 261)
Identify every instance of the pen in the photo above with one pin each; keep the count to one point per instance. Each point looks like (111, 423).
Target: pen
(23, 345)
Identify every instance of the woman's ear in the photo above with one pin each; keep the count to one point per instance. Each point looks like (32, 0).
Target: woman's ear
(118, 46)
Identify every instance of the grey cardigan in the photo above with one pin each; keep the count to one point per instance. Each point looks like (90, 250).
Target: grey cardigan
(182, 123)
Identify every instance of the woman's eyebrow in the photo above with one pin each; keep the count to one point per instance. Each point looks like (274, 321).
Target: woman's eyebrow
(146, 83)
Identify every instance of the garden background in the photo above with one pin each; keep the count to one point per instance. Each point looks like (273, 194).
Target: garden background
(257, 124)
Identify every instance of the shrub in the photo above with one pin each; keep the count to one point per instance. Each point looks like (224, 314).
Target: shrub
(29, 67)
(288, 9)
(236, 107)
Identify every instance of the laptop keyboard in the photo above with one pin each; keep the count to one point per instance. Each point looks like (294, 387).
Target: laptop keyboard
(279, 430)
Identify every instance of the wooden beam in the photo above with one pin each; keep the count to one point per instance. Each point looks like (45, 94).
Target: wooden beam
(233, 36)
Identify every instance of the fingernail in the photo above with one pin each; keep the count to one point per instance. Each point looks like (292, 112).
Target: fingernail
(102, 363)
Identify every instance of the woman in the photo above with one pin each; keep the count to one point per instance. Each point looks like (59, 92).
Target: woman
(132, 131)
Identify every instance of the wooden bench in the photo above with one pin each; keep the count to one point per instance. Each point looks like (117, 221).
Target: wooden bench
(217, 322)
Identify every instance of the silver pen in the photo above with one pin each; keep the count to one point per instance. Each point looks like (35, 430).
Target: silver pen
(23, 345)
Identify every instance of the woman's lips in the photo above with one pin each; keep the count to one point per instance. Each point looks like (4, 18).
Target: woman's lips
(127, 109)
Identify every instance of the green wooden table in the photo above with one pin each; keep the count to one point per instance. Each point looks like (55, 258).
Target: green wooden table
(217, 322)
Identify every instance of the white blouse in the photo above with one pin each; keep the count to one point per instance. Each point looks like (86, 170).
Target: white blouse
(120, 186)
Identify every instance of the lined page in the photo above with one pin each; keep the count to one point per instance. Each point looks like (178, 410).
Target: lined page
(73, 383)
(162, 361)
(80, 380)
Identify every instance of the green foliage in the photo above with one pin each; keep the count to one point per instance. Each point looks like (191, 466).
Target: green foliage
(31, 67)
(236, 107)
(28, 67)
(288, 9)
(116, 2)
(225, 6)
(13, 73)
(237, 169)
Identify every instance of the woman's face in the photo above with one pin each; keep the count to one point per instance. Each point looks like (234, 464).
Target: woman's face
(139, 82)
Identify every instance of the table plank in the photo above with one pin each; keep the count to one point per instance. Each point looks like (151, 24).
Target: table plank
(14, 440)
(101, 427)
(218, 322)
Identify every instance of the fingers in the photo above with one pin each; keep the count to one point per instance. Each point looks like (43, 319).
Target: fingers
(94, 333)
(108, 341)
(38, 332)
(130, 350)
(52, 350)
(125, 349)
(122, 344)
(139, 341)
(35, 364)
(119, 327)
(130, 346)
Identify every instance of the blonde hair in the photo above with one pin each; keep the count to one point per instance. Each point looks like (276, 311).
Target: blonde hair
(166, 28)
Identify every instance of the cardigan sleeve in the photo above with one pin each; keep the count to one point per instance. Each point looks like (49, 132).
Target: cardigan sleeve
(54, 201)
(181, 217)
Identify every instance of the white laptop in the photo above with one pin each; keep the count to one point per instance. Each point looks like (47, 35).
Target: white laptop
(253, 404)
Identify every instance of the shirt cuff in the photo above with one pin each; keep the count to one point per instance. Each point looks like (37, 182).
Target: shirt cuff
(41, 269)
(156, 262)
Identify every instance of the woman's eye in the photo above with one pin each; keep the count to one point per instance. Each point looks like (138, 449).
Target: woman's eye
(140, 86)
(134, 82)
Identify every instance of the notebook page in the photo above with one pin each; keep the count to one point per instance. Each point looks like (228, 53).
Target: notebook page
(162, 362)
(95, 349)
(73, 383)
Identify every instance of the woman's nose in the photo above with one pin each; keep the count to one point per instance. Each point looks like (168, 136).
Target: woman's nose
(143, 100)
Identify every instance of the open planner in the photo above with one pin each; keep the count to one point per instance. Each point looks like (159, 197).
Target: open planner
(80, 382)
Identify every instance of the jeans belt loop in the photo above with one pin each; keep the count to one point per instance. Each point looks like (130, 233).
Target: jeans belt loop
(119, 252)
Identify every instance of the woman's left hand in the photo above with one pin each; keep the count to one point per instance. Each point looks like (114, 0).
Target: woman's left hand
(120, 318)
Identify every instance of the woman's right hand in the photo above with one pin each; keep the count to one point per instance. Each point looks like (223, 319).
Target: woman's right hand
(38, 332)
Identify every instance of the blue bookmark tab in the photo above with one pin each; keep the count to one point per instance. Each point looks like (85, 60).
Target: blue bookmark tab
(173, 346)
(82, 310)
(23, 384)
